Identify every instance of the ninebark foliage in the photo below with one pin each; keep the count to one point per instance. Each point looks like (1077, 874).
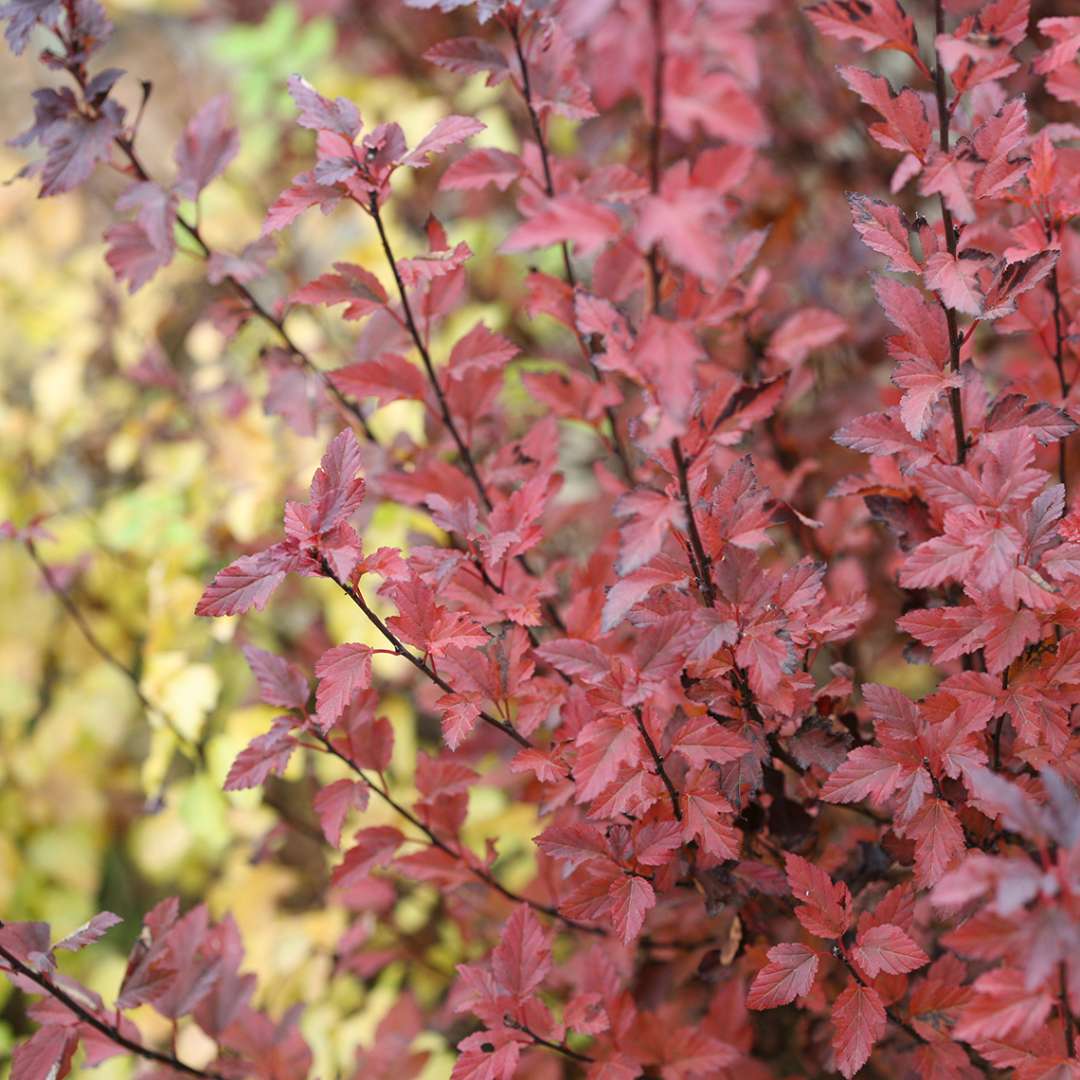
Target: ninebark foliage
(671, 671)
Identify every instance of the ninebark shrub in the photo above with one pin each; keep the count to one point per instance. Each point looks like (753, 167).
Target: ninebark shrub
(677, 519)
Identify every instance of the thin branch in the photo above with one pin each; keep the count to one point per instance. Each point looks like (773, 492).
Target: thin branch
(1067, 1019)
(1059, 364)
(658, 761)
(80, 620)
(539, 1040)
(126, 145)
(975, 1059)
(995, 738)
(278, 325)
(90, 636)
(417, 662)
(113, 1034)
(955, 400)
(465, 453)
(444, 406)
(656, 135)
(703, 569)
(538, 136)
(571, 278)
(349, 406)
(436, 841)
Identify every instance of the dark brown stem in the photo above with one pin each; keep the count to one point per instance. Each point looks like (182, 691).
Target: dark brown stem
(113, 1034)
(976, 1060)
(703, 569)
(106, 654)
(568, 266)
(436, 841)
(425, 356)
(192, 230)
(995, 738)
(417, 662)
(955, 400)
(658, 761)
(1059, 364)
(539, 1040)
(79, 619)
(1067, 1019)
(656, 133)
(444, 407)
(538, 136)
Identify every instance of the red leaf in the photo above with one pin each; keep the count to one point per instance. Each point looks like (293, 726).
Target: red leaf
(954, 279)
(459, 716)
(470, 56)
(89, 932)
(334, 801)
(422, 622)
(46, 1055)
(336, 490)
(352, 285)
(703, 741)
(478, 168)
(800, 334)
(924, 329)
(881, 434)
(603, 747)
(294, 393)
(486, 1055)
(449, 131)
(883, 229)
(265, 754)
(566, 219)
(706, 818)
(951, 632)
(649, 518)
(280, 681)
(342, 671)
(522, 958)
(388, 378)
(874, 24)
(247, 583)
(302, 194)
(858, 1021)
(480, 350)
(633, 898)
(139, 248)
(886, 948)
(573, 844)
(1004, 1005)
(950, 176)
(320, 114)
(207, 146)
(789, 974)
(76, 145)
(939, 841)
(372, 847)
(870, 772)
(424, 269)
(906, 127)
(824, 906)
(923, 383)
